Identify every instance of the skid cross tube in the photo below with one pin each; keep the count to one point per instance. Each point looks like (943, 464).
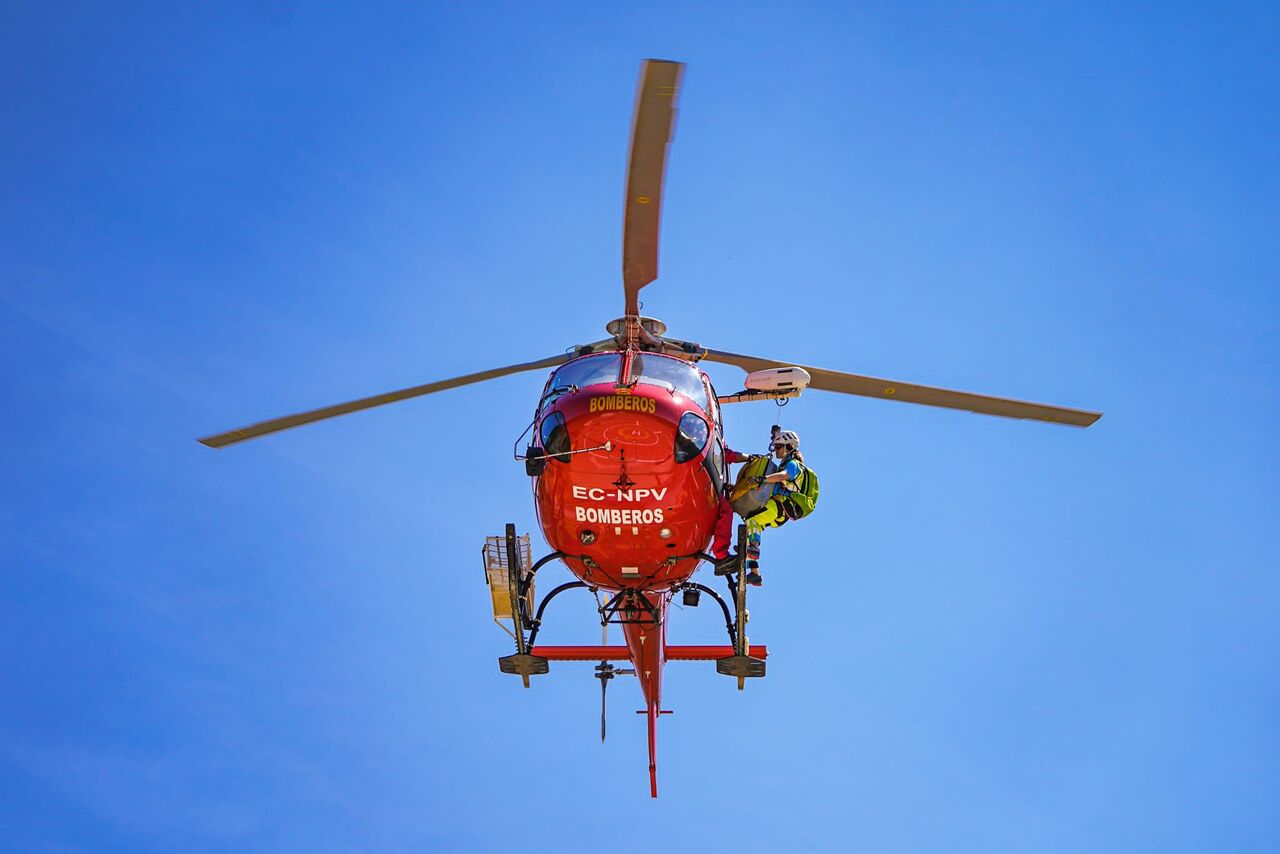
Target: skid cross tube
(536, 623)
(527, 578)
(728, 618)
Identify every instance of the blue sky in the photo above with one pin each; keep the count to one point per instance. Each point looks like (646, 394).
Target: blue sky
(992, 636)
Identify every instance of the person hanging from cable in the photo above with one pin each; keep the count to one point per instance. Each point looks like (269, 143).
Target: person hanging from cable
(793, 494)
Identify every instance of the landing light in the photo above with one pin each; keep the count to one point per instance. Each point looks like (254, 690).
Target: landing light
(587, 537)
(665, 533)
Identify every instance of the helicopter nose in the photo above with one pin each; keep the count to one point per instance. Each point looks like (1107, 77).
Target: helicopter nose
(647, 437)
(638, 436)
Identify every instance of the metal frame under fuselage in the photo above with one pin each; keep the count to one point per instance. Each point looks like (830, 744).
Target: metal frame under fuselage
(643, 618)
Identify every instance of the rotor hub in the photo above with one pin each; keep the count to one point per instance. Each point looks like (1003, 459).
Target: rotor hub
(652, 325)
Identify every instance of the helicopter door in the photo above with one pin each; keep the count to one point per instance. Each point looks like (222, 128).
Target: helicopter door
(713, 462)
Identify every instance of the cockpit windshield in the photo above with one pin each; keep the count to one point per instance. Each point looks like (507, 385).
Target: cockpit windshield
(672, 374)
(581, 373)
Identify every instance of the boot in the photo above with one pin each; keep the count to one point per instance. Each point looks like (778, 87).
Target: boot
(727, 565)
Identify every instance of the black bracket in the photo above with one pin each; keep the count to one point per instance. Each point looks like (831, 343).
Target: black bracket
(527, 578)
(724, 607)
(629, 600)
(536, 622)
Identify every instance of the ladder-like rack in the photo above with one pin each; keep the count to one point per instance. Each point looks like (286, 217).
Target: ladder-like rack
(497, 574)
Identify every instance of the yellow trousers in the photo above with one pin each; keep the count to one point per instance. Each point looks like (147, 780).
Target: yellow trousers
(770, 517)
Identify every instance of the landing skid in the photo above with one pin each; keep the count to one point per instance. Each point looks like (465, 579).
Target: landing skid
(741, 664)
(523, 664)
(510, 571)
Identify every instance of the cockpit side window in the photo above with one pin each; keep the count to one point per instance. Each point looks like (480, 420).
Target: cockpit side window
(713, 462)
(672, 374)
(580, 373)
(714, 409)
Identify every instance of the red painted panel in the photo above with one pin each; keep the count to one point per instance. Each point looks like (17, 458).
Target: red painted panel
(626, 496)
(619, 653)
(711, 653)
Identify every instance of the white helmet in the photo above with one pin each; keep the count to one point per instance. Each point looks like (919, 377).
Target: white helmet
(787, 437)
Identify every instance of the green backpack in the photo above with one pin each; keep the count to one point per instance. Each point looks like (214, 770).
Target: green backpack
(805, 498)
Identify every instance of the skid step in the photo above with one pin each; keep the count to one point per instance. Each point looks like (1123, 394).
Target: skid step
(523, 665)
(740, 666)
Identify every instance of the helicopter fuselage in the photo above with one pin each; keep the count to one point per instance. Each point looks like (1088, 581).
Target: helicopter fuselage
(630, 489)
(634, 465)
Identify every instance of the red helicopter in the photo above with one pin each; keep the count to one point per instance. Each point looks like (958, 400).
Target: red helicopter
(627, 458)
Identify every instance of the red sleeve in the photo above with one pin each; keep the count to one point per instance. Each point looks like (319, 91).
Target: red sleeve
(732, 456)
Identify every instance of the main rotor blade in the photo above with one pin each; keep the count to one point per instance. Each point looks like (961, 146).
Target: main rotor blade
(650, 134)
(275, 425)
(912, 393)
